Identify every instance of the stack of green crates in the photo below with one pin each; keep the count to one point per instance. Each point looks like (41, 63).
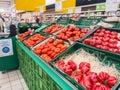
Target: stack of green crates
(63, 21)
(86, 22)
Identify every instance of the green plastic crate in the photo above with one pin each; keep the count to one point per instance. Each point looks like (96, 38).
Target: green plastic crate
(63, 21)
(41, 33)
(86, 22)
(101, 56)
(72, 21)
(109, 53)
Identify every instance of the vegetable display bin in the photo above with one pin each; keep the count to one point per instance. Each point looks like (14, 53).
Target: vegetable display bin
(106, 51)
(8, 54)
(38, 74)
(101, 57)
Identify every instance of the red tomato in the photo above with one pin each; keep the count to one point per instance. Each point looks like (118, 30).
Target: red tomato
(114, 33)
(103, 76)
(87, 41)
(84, 67)
(112, 81)
(99, 86)
(106, 39)
(87, 83)
(101, 34)
(73, 65)
(93, 76)
(107, 32)
(98, 42)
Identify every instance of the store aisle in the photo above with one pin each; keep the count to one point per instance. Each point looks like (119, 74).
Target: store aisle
(12, 80)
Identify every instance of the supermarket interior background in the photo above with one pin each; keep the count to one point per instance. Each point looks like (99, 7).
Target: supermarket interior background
(59, 44)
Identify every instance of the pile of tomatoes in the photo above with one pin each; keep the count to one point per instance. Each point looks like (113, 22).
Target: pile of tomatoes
(72, 33)
(50, 49)
(83, 75)
(34, 40)
(23, 35)
(53, 28)
(105, 39)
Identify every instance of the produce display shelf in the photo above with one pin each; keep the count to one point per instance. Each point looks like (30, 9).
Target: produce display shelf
(38, 74)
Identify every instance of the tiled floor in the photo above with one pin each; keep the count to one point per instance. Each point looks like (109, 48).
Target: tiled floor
(12, 80)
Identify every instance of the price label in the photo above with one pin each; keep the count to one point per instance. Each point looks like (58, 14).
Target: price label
(41, 9)
(111, 5)
(78, 10)
(6, 48)
(70, 10)
(58, 6)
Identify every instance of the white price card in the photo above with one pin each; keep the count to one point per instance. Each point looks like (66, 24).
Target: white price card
(41, 9)
(58, 6)
(6, 48)
(111, 5)
(70, 10)
(78, 10)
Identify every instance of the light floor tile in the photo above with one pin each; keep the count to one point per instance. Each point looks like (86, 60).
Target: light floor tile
(3, 75)
(5, 85)
(5, 80)
(12, 73)
(17, 87)
(15, 82)
(8, 88)
(13, 78)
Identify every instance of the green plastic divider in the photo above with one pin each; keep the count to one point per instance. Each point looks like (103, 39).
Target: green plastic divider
(33, 68)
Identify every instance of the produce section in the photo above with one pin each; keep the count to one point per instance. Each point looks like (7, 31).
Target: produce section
(83, 67)
(60, 45)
